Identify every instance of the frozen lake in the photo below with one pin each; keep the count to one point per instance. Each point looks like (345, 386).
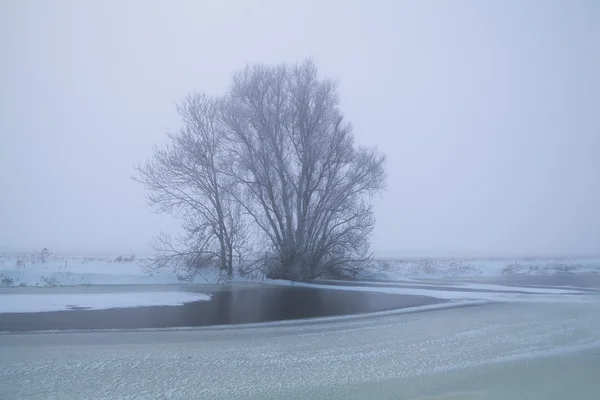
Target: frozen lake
(166, 306)
(228, 304)
(528, 338)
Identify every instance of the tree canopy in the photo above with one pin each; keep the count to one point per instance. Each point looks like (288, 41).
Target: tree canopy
(267, 177)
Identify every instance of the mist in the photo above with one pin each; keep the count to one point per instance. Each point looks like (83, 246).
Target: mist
(488, 114)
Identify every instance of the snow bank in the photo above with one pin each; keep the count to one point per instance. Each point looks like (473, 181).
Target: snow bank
(30, 269)
(444, 268)
(26, 303)
(45, 269)
(483, 287)
(476, 292)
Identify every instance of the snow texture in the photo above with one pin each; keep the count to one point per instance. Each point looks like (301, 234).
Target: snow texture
(459, 285)
(26, 303)
(506, 351)
(479, 292)
(445, 268)
(31, 269)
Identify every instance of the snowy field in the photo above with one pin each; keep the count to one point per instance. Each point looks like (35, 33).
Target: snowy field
(27, 302)
(521, 342)
(464, 291)
(449, 268)
(518, 351)
(31, 269)
(416, 277)
(34, 269)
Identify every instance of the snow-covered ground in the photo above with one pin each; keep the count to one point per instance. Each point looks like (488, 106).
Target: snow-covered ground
(443, 268)
(525, 343)
(32, 269)
(28, 302)
(462, 292)
(410, 278)
(530, 351)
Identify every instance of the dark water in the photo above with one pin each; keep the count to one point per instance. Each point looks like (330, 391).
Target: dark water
(229, 305)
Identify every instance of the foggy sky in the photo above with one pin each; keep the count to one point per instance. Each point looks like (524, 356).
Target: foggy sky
(489, 113)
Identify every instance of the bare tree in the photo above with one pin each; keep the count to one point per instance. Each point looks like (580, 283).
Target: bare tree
(185, 178)
(275, 151)
(303, 181)
(44, 254)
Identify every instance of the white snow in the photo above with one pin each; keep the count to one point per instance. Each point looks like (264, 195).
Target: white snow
(503, 293)
(515, 351)
(29, 269)
(443, 268)
(28, 303)
(466, 285)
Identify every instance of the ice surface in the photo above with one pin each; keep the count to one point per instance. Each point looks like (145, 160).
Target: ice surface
(464, 285)
(26, 303)
(509, 351)
(501, 293)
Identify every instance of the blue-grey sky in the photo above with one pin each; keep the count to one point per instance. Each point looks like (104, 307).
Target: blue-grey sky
(489, 112)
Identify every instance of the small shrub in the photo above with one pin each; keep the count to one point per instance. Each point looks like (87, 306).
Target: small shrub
(44, 255)
(513, 269)
(384, 265)
(563, 267)
(51, 281)
(6, 281)
(459, 268)
(425, 266)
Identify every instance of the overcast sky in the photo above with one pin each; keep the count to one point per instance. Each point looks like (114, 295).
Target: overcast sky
(489, 112)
